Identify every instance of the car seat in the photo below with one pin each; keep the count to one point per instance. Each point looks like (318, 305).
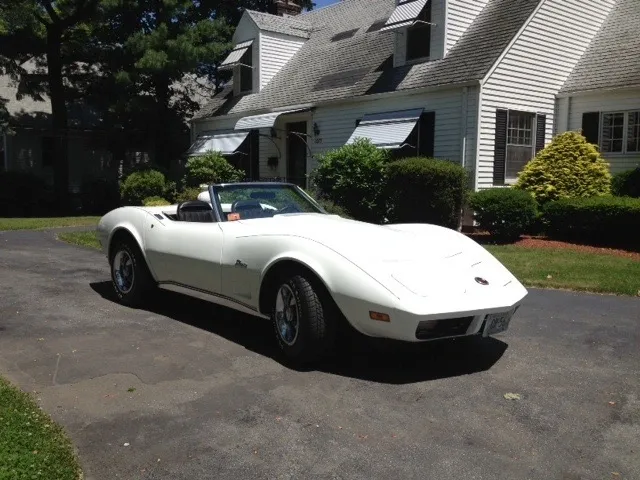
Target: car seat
(195, 211)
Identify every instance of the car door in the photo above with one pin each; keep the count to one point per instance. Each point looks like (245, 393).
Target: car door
(185, 253)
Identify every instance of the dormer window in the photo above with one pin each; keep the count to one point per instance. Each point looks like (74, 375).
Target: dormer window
(419, 36)
(240, 60)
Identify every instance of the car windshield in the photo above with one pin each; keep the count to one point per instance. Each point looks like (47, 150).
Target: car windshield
(245, 201)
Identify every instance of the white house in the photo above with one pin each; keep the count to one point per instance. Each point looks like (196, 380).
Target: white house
(471, 81)
(602, 95)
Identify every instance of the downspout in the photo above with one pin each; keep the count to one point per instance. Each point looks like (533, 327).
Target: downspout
(478, 130)
(463, 129)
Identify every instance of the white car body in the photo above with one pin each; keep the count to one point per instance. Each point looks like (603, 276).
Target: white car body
(413, 274)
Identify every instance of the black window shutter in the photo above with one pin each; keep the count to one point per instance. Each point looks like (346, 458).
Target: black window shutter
(591, 126)
(541, 130)
(427, 134)
(500, 149)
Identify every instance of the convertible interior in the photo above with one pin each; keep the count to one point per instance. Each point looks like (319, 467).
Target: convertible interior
(201, 211)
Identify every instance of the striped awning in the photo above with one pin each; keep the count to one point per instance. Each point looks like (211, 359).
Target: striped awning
(266, 120)
(387, 130)
(224, 142)
(236, 54)
(405, 14)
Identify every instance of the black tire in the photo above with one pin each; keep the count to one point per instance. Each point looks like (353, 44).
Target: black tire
(142, 282)
(315, 335)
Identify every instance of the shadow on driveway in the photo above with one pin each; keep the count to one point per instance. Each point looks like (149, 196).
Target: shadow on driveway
(359, 357)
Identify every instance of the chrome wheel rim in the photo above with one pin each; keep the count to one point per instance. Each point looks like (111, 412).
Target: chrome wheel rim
(123, 273)
(287, 321)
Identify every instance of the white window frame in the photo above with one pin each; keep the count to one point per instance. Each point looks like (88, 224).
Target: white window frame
(416, 60)
(246, 70)
(534, 126)
(625, 132)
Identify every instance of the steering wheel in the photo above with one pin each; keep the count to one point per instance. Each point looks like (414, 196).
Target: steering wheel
(242, 205)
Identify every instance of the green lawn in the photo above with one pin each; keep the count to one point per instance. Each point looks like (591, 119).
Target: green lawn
(31, 444)
(85, 239)
(41, 223)
(561, 268)
(551, 268)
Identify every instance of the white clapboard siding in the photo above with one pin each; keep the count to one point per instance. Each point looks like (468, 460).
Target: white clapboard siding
(536, 66)
(461, 14)
(337, 123)
(570, 112)
(275, 51)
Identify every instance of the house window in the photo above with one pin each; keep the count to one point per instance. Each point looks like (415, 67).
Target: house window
(612, 132)
(620, 132)
(633, 132)
(520, 142)
(246, 72)
(419, 36)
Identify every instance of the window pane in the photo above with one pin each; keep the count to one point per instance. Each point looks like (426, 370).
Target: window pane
(520, 128)
(633, 132)
(612, 132)
(419, 36)
(517, 158)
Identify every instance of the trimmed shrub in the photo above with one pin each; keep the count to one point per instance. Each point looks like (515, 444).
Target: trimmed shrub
(506, 213)
(188, 194)
(210, 168)
(155, 202)
(140, 185)
(426, 190)
(24, 194)
(627, 184)
(352, 177)
(569, 167)
(605, 220)
(99, 195)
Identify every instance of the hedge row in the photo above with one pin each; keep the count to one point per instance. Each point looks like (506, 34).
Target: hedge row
(606, 220)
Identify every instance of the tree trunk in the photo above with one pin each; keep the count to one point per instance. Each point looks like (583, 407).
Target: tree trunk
(163, 134)
(58, 114)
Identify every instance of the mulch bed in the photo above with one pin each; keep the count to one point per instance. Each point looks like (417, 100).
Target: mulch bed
(527, 241)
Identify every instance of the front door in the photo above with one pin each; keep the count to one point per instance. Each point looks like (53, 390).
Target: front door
(297, 153)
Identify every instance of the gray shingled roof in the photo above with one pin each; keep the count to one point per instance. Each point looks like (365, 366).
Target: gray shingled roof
(613, 57)
(363, 64)
(274, 23)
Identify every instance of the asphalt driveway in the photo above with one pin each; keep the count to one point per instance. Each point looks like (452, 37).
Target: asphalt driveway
(187, 390)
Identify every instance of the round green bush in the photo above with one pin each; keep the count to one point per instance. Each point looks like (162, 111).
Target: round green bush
(352, 177)
(426, 190)
(569, 167)
(140, 185)
(627, 184)
(601, 220)
(506, 213)
(210, 168)
(155, 202)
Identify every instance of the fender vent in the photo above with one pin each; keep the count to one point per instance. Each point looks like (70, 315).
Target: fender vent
(158, 216)
(448, 327)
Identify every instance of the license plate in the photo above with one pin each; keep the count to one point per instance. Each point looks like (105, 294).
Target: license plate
(498, 322)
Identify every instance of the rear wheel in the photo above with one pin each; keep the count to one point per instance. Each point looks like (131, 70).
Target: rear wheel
(130, 276)
(302, 319)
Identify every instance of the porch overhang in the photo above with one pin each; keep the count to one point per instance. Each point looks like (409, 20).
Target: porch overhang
(387, 130)
(266, 120)
(227, 143)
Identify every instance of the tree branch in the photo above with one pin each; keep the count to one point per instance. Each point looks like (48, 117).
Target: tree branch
(83, 10)
(55, 18)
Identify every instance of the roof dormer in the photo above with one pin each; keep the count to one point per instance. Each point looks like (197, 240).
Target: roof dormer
(264, 43)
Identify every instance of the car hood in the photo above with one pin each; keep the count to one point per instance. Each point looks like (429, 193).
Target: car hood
(423, 258)
(364, 241)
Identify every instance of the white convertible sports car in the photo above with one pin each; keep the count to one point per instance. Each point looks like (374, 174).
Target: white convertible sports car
(268, 249)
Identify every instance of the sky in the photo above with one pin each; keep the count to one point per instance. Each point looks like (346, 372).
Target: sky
(324, 3)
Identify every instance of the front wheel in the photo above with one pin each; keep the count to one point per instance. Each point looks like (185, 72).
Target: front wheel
(130, 277)
(300, 318)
